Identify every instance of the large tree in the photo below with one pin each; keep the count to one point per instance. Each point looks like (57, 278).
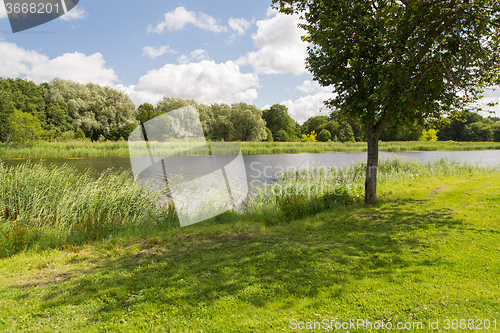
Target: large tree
(277, 119)
(402, 61)
(94, 109)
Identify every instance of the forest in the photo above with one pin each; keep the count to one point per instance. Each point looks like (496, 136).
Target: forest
(63, 110)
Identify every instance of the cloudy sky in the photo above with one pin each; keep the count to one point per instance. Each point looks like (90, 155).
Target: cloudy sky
(218, 51)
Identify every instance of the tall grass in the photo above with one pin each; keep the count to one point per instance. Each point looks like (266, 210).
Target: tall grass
(48, 206)
(78, 148)
(73, 148)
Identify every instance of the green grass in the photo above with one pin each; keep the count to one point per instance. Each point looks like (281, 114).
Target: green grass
(427, 251)
(94, 149)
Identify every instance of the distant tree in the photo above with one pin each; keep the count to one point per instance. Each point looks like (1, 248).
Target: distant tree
(145, 112)
(277, 119)
(346, 134)
(24, 128)
(331, 126)
(6, 111)
(496, 133)
(281, 136)
(221, 125)
(94, 109)
(395, 131)
(477, 131)
(222, 129)
(459, 127)
(247, 122)
(324, 135)
(313, 123)
(356, 125)
(27, 97)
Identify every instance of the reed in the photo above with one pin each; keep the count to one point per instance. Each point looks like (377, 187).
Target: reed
(47, 206)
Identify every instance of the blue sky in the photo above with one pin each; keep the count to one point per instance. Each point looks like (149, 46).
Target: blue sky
(216, 51)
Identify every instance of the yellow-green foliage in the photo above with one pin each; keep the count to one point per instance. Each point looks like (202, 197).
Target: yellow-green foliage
(428, 135)
(309, 137)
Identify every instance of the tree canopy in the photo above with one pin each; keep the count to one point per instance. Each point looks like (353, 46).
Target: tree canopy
(399, 60)
(279, 121)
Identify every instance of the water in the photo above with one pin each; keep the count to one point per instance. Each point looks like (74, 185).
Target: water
(267, 168)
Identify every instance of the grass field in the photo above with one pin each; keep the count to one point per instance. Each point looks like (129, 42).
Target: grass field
(120, 148)
(427, 252)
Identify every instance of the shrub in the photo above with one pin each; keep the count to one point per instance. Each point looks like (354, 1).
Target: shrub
(269, 135)
(430, 135)
(79, 134)
(324, 135)
(282, 136)
(309, 137)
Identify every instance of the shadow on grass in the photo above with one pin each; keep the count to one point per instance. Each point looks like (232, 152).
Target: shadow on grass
(281, 264)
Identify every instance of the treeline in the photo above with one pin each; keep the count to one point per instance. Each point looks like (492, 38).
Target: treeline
(465, 126)
(61, 110)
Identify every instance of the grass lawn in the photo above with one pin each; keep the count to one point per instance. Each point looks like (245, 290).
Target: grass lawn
(429, 250)
(120, 148)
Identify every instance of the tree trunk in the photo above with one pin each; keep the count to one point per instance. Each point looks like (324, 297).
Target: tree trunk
(372, 134)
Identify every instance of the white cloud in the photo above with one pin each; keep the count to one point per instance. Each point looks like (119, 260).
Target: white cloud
(78, 67)
(76, 13)
(309, 86)
(205, 81)
(240, 25)
(180, 17)
(306, 107)
(153, 52)
(196, 55)
(3, 11)
(280, 48)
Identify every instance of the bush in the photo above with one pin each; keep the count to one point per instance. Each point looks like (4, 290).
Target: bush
(79, 134)
(309, 138)
(69, 135)
(269, 135)
(282, 136)
(430, 135)
(324, 135)
(24, 128)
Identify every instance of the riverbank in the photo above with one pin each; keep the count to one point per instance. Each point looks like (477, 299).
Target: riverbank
(427, 252)
(116, 149)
